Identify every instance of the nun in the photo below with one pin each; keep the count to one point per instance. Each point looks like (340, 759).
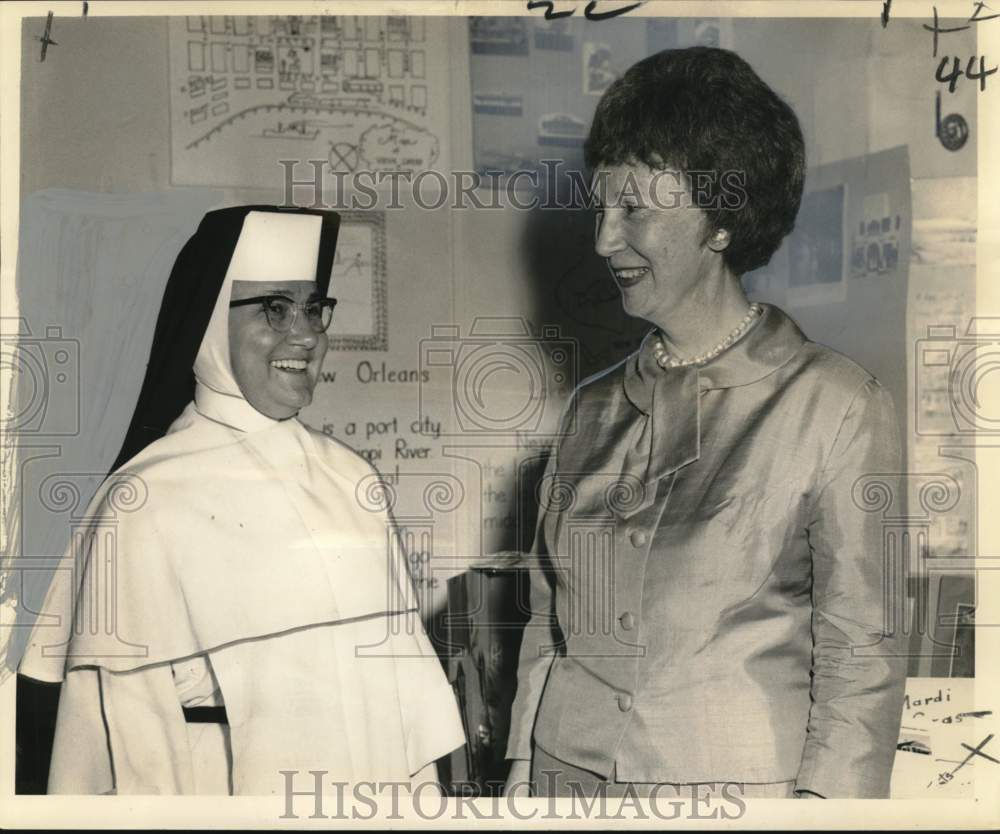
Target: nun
(256, 620)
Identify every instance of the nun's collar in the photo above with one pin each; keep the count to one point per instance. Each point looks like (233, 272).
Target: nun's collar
(232, 411)
(767, 345)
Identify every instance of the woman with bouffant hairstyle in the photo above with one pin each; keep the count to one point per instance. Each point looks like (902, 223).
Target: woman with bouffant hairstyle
(706, 599)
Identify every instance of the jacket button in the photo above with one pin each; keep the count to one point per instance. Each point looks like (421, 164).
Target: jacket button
(627, 621)
(638, 538)
(624, 702)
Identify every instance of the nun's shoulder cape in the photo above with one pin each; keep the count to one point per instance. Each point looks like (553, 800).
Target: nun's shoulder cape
(216, 534)
(239, 559)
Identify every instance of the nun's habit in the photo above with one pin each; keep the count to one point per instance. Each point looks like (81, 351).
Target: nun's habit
(247, 568)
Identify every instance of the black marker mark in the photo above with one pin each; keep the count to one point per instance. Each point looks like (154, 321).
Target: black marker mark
(978, 750)
(952, 77)
(550, 9)
(937, 30)
(946, 777)
(45, 38)
(979, 7)
(886, 5)
(952, 131)
(590, 10)
(590, 14)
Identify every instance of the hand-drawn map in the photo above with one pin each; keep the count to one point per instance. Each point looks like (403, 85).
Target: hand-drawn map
(358, 92)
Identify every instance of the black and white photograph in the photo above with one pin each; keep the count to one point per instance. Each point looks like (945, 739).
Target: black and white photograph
(563, 414)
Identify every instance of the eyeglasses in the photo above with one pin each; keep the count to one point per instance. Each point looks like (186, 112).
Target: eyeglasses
(281, 312)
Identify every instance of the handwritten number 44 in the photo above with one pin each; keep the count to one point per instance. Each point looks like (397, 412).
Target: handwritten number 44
(971, 72)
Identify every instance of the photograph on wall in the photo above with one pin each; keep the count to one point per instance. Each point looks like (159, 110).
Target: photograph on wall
(875, 247)
(597, 71)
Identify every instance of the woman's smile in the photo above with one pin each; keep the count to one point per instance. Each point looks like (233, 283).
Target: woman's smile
(293, 366)
(628, 276)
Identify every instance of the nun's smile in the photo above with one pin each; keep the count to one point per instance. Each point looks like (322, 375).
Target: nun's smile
(276, 371)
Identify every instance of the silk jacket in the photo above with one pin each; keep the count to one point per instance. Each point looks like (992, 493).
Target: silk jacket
(710, 599)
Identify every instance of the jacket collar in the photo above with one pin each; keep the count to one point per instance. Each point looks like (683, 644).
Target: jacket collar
(770, 343)
(670, 399)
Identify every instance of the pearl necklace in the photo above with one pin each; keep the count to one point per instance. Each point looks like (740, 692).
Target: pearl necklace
(665, 360)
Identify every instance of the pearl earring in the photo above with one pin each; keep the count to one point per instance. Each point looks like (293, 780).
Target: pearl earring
(720, 239)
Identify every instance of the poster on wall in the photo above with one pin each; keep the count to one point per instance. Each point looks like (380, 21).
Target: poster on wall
(355, 92)
(520, 124)
(856, 232)
(851, 237)
(947, 740)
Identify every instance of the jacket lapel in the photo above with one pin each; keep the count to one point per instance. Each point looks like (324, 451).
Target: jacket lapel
(675, 423)
(621, 450)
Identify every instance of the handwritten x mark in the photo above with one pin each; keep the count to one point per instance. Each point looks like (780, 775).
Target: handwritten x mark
(978, 751)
